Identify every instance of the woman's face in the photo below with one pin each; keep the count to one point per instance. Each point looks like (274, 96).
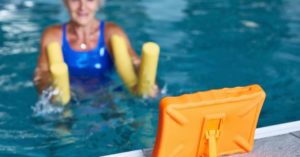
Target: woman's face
(82, 11)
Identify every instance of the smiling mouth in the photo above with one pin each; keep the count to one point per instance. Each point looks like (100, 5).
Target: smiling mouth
(82, 14)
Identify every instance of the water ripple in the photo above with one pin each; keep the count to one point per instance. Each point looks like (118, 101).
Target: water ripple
(18, 134)
(287, 57)
(156, 10)
(16, 86)
(6, 148)
(6, 78)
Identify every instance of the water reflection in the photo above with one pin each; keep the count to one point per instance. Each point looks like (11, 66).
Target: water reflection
(166, 33)
(17, 31)
(291, 14)
(158, 10)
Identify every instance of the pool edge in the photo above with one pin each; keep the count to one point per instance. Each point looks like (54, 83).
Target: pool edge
(260, 133)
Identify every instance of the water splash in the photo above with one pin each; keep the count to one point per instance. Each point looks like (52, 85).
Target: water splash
(164, 90)
(44, 106)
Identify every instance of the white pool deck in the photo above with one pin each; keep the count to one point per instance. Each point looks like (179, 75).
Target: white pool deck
(281, 140)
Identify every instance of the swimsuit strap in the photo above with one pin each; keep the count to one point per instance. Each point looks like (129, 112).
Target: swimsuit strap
(101, 37)
(64, 35)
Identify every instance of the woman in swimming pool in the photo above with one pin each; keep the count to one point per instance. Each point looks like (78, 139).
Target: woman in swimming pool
(85, 43)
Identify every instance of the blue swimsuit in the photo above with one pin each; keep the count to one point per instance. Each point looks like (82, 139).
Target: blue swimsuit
(88, 70)
(87, 64)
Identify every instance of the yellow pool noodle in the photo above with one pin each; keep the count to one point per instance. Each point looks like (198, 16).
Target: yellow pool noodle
(60, 77)
(54, 53)
(123, 62)
(148, 68)
(59, 72)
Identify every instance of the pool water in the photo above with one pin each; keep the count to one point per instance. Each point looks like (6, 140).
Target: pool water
(205, 45)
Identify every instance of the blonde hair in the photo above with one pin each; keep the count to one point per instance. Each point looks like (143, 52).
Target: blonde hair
(101, 3)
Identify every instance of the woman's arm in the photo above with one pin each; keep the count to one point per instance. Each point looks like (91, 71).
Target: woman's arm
(113, 29)
(42, 77)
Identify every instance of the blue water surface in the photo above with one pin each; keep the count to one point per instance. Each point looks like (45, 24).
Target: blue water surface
(206, 44)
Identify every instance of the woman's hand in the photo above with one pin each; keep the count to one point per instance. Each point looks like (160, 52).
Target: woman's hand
(154, 91)
(42, 80)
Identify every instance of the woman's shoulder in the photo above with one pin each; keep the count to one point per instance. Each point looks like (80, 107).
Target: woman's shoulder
(111, 26)
(53, 30)
(52, 33)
